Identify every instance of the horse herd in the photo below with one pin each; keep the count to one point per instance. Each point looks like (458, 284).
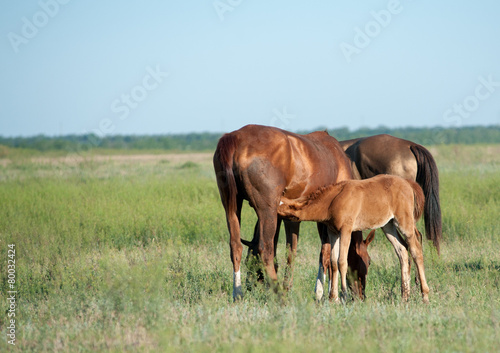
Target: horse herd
(346, 187)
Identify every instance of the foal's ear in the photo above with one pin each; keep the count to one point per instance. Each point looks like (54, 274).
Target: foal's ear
(370, 238)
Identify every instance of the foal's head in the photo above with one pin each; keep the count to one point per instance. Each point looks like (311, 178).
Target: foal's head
(359, 260)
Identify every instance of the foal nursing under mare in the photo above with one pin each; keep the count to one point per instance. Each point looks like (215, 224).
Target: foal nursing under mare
(261, 164)
(383, 201)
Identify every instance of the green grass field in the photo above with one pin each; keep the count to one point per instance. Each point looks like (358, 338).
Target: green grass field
(131, 254)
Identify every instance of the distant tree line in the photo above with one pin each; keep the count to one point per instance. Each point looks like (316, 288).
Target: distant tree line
(208, 141)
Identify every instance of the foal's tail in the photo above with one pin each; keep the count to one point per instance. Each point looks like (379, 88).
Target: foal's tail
(223, 165)
(418, 200)
(428, 178)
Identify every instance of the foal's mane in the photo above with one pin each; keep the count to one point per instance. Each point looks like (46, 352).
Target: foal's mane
(315, 195)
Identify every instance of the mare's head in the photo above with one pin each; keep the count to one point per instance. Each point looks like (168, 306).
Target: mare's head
(359, 260)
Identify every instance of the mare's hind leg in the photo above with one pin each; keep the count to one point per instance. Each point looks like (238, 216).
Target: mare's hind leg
(292, 239)
(399, 246)
(416, 252)
(268, 220)
(256, 271)
(233, 224)
(276, 238)
(263, 186)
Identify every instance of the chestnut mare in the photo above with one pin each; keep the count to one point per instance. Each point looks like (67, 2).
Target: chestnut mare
(261, 164)
(383, 201)
(385, 154)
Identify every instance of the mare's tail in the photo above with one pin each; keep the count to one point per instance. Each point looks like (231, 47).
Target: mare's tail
(428, 179)
(223, 165)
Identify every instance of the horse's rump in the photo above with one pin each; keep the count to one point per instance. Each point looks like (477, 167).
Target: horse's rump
(223, 159)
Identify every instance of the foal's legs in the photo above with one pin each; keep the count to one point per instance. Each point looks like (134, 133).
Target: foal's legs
(416, 252)
(333, 281)
(419, 238)
(345, 241)
(399, 246)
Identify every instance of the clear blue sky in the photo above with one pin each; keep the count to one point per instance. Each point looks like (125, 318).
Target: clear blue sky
(158, 67)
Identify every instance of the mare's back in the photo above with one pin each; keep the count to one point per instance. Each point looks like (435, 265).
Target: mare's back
(383, 154)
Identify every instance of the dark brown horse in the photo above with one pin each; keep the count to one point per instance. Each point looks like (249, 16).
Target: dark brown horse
(261, 164)
(385, 154)
(386, 201)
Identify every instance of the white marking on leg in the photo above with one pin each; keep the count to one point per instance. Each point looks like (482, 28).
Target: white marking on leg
(237, 292)
(320, 279)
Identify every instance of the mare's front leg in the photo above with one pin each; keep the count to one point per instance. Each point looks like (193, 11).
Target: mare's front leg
(292, 239)
(399, 246)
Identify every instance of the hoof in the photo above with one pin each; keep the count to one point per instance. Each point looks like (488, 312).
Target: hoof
(237, 294)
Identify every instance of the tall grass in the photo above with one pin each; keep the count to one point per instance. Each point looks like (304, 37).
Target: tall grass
(134, 257)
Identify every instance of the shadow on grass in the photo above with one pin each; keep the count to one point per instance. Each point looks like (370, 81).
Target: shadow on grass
(477, 265)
